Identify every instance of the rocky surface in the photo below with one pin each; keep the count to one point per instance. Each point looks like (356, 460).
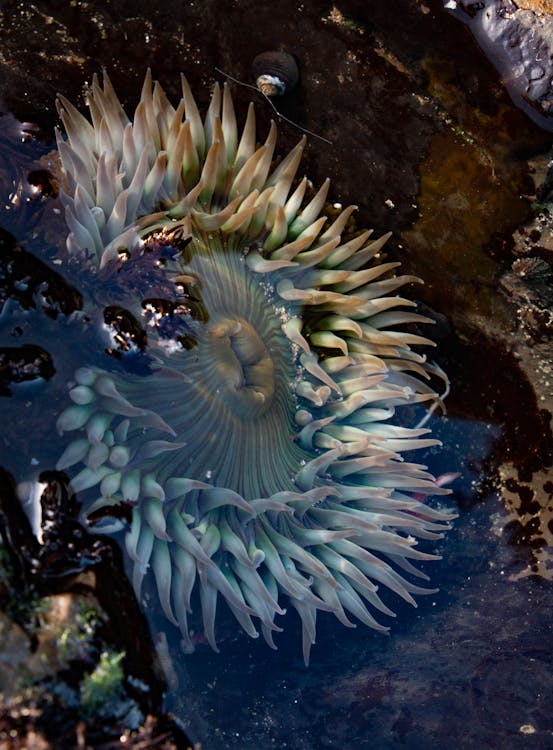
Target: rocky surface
(519, 41)
(72, 672)
(427, 142)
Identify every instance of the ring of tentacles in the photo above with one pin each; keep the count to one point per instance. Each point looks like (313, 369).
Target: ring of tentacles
(262, 461)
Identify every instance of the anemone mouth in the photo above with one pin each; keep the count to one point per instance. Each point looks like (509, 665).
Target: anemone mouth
(229, 399)
(262, 460)
(242, 351)
(244, 370)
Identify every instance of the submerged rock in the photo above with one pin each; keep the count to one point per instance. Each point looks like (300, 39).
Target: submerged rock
(71, 674)
(519, 42)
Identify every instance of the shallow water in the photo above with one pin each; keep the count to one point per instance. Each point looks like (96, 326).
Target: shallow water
(472, 664)
(418, 686)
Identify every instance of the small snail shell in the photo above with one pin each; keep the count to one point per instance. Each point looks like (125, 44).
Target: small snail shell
(275, 73)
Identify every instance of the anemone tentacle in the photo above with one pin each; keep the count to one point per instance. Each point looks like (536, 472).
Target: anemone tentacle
(262, 461)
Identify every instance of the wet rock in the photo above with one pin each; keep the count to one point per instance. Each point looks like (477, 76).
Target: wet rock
(72, 674)
(15, 654)
(426, 141)
(519, 42)
(31, 283)
(24, 363)
(528, 286)
(125, 330)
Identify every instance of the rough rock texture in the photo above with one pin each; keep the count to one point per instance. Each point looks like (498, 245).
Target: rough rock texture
(538, 6)
(72, 673)
(518, 39)
(428, 143)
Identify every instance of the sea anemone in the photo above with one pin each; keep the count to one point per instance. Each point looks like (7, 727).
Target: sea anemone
(260, 458)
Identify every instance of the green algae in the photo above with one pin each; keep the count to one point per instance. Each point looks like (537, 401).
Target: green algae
(463, 206)
(104, 684)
